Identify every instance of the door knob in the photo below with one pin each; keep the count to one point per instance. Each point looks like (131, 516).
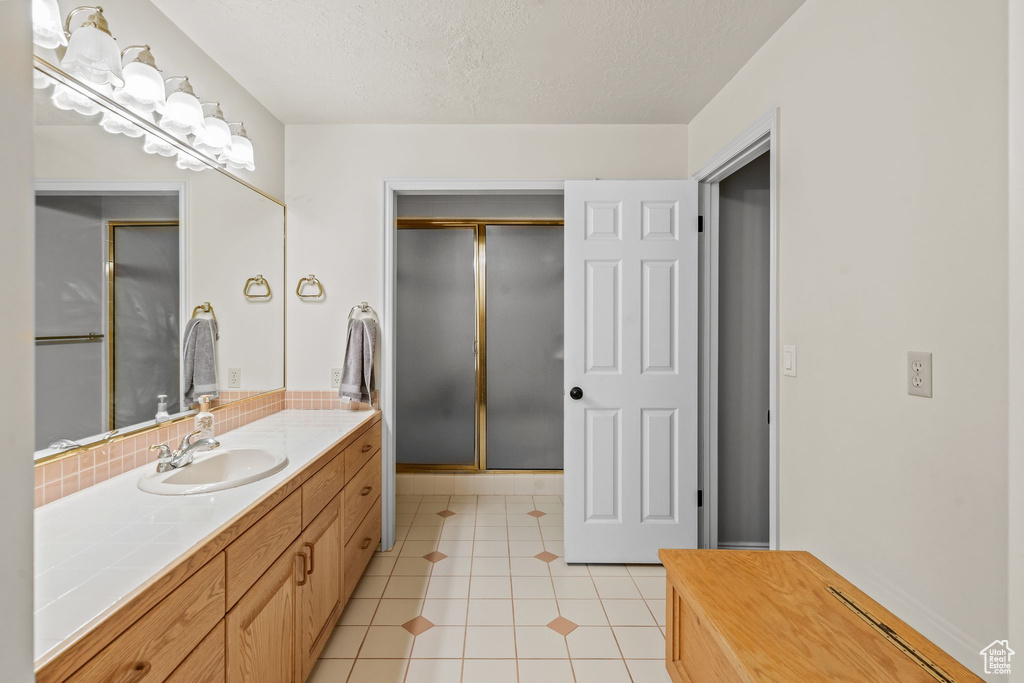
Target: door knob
(575, 393)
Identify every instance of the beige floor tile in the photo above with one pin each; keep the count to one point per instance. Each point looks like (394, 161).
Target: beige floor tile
(440, 642)
(521, 519)
(552, 520)
(427, 519)
(434, 671)
(490, 642)
(453, 566)
(386, 642)
(608, 570)
(548, 671)
(524, 533)
(380, 565)
(457, 533)
(379, 670)
(491, 508)
(583, 612)
(648, 670)
(489, 671)
(519, 498)
(651, 587)
(490, 549)
(396, 612)
(423, 533)
(463, 498)
(457, 520)
(411, 566)
(490, 613)
(456, 548)
(370, 587)
(534, 612)
(448, 587)
(529, 566)
(400, 533)
(406, 587)
(640, 642)
(532, 587)
(490, 519)
(574, 588)
(616, 588)
(491, 533)
(491, 566)
(433, 506)
(331, 671)
(344, 642)
(539, 642)
(592, 642)
(603, 671)
(560, 568)
(358, 611)
(482, 587)
(445, 612)
(556, 547)
(658, 608)
(628, 613)
(552, 533)
(404, 519)
(417, 548)
(525, 548)
(519, 508)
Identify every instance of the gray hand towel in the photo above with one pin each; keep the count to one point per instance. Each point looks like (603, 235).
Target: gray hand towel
(358, 381)
(199, 360)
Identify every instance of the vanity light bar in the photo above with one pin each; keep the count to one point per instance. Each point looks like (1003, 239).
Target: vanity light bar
(139, 101)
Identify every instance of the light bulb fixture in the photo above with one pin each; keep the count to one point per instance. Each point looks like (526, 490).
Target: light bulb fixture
(182, 114)
(47, 31)
(92, 55)
(215, 139)
(67, 98)
(143, 89)
(187, 162)
(113, 122)
(239, 156)
(157, 145)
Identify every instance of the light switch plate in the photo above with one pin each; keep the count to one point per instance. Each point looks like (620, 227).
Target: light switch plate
(789, 360)
(234, 378)
(919, 373)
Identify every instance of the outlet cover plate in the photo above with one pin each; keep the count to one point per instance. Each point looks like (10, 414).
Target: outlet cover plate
(335, 378)
(234, 378)
(919, 373)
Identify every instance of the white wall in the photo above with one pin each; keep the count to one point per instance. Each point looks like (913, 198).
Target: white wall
(335, 201)
(1016, 313)
(139, 22)
(16, 344)
(893, 210)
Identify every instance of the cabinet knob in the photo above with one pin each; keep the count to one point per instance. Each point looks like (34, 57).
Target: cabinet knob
(366, 543)
(137, 671)
(366, 491)
(367, 447)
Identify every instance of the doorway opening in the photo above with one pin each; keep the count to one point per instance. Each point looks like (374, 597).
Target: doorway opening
(478, 333)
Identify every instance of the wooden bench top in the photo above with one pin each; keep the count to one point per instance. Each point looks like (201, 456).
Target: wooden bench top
(786, 616)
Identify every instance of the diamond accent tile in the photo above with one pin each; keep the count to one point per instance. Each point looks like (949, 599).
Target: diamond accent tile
(535, 513)
(562, 626)
(434, 557)
(546, 556)
(445, 513)
(421, 625)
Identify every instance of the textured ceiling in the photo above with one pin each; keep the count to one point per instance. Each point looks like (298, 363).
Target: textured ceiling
(481, 61)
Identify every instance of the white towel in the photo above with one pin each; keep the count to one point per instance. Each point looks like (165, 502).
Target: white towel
(358, 381)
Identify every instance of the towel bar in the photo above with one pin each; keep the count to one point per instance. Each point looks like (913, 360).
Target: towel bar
(309, 280)
(259, 281)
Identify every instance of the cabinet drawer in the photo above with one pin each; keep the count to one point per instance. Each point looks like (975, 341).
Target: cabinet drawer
(151, 648)
(322, 487)
(360, 494)
(361, 450)
(253, 552)
(360, 547)
(206, 663)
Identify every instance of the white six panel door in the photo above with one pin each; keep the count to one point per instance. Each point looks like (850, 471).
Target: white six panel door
(631, 350)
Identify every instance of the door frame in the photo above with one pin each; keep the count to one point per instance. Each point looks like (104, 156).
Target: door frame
(393, 187)
(760, 137)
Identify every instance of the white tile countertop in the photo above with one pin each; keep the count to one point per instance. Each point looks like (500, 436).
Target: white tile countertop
(97, 547)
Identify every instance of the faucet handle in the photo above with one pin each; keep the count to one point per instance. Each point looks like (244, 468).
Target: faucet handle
(187, 441)
(165, 451)
(163, 463)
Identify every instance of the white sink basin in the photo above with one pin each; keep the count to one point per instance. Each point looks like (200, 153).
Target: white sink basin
(214, 470)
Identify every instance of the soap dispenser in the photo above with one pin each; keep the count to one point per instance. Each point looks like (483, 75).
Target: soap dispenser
(204, 420)
(161, 408)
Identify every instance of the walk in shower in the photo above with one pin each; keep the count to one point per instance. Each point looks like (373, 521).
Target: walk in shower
(479, 344)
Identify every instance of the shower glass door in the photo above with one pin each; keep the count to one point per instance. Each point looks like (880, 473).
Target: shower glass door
(436, 333)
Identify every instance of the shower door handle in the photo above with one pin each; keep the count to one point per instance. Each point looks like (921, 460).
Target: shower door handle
(575, 393)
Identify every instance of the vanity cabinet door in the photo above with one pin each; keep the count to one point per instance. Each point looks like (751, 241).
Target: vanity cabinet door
(320, 598)
(263, 640)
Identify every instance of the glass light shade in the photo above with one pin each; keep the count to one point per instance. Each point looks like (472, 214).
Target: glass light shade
(143, 89)
(155, 145)
(117, 124)
(215, 138)
(47, 27)
(69, 99)
(187, 162)
(92, 56)
(239, 155)
(41, 81)
(182, 115)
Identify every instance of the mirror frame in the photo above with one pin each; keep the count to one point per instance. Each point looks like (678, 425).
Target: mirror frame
(60, 76)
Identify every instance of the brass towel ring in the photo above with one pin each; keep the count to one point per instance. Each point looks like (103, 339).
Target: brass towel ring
(309, 280)
(259, 281)
(205, 307)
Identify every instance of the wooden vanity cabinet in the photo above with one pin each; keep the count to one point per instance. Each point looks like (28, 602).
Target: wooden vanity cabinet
(321, 594)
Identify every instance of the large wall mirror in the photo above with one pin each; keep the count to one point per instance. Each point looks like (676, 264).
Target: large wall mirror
(130, 248)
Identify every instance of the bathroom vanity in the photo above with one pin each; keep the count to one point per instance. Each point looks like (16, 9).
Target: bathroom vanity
(239, 585)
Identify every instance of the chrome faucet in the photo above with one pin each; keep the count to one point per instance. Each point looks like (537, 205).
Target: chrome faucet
(172, 460)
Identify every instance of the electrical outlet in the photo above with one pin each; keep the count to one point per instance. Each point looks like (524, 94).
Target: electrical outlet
(234, 378)
(919, 373)
(335, 378)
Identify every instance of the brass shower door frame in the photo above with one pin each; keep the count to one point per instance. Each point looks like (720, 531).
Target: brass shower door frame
(478, 226)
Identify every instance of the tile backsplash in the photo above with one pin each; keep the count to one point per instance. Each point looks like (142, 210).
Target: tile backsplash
(84, 468)
(320, 400)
